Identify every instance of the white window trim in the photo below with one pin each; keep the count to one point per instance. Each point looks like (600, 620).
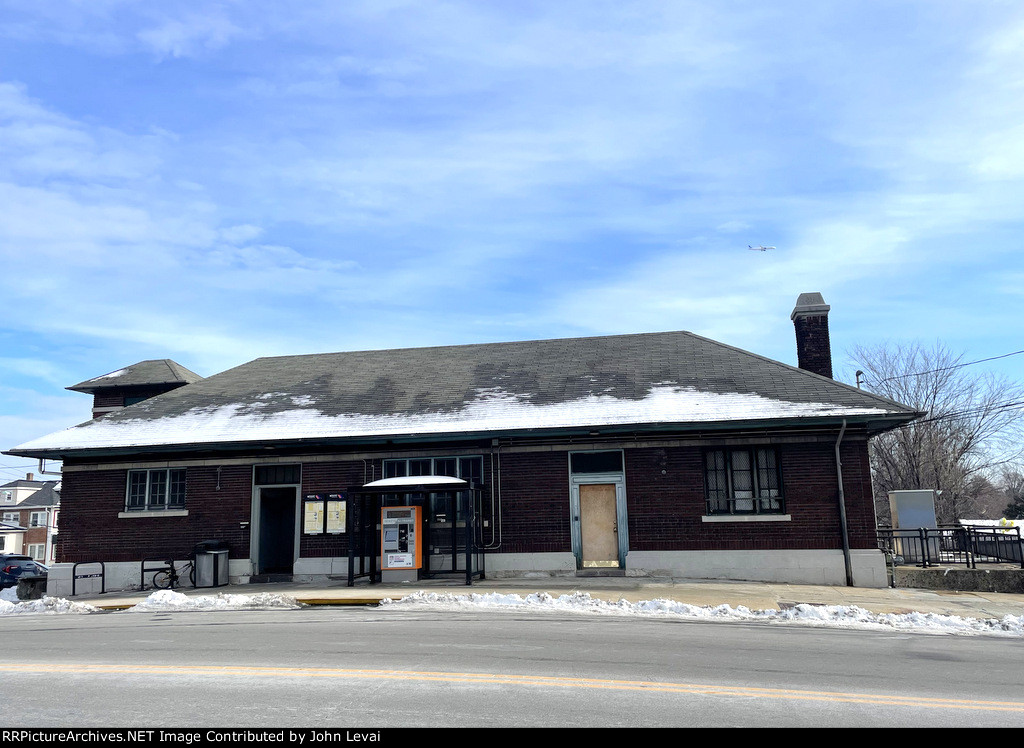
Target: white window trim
(746, 518)
(136, 513)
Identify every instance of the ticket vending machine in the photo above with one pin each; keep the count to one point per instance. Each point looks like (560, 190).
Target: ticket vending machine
(401, 543)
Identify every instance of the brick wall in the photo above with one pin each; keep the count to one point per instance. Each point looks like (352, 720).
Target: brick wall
(813, 347)
(90, 529)
(664, 495)
(535, 502)
(323, 478)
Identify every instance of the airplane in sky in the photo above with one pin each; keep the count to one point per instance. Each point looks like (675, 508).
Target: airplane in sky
(760, 248)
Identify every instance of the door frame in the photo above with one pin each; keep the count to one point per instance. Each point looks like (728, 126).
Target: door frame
(255, 518)
(619, 481)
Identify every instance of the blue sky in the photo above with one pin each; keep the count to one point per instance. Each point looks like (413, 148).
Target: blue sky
(213, 182)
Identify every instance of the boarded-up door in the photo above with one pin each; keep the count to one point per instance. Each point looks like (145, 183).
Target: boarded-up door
(599, 535)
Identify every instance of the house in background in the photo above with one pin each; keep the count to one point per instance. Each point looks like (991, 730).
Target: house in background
(11, 534)
(648, 454)
(33, 507)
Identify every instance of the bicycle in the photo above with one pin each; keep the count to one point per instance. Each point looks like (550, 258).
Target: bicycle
(168, 579)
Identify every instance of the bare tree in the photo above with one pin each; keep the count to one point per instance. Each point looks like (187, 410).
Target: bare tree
(972, 426)
(1012, 484)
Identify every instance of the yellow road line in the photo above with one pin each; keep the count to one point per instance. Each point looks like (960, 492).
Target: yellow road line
(523, 680)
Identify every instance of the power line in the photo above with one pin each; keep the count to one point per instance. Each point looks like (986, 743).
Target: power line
(971, 411)
(948, 368)
(990, 408)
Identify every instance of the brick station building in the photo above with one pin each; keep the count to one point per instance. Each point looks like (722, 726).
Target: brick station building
(648, 454)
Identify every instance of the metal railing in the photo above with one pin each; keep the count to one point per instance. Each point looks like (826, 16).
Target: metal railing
(940, 546)
(75, 576)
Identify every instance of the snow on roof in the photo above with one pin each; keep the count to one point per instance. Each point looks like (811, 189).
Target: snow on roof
(152, 372)
(111, 375)
(647, 380)
(416, 480)
(491, 410)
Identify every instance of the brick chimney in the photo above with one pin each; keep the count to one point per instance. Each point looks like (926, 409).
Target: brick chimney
(813, 350)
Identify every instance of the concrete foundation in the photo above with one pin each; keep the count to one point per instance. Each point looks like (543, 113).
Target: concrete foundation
(794, 567)
(966, 580)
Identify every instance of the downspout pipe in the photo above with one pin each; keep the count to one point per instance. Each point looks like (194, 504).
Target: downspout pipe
(44, 471)
(842, 511)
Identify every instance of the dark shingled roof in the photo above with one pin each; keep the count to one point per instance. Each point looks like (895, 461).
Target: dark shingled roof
(22, 483)
(145, 373)
(45, 496)
(448, 390)
(423, 380)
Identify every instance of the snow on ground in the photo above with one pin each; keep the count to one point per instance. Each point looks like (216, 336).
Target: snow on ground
(836, 616)
(169, 600)
(161, 600)
(11, 606)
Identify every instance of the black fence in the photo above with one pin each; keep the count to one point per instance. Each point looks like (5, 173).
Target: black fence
(941, 546)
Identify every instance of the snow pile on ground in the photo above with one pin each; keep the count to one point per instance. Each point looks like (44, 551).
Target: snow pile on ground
(836, 616)
(841, 616)
(49, 605)
(170, 600)
(161, 600)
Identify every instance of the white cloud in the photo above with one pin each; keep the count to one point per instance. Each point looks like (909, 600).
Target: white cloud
(190, 32)
(382, 173)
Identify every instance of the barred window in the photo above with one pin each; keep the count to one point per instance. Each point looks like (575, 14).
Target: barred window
(445, 505)
(467, 468)
(155, 490)
(743, 481)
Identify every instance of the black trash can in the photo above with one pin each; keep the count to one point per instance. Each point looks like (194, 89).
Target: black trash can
(211, 558)
(31, 586)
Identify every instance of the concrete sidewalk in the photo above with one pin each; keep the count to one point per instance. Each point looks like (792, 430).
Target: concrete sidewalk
(753, 595)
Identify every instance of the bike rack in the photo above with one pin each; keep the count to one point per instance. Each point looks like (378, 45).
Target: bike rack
(75, 576)
(165, 565)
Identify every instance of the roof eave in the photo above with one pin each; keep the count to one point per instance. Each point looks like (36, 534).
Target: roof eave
(874, 424)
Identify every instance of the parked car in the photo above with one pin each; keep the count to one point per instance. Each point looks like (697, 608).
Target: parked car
(13, 566)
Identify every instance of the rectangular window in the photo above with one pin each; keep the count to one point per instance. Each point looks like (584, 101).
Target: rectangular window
(743, 481)
(277, 475)
(14, 517)
(155, 490)
(37, 519)
(444, 507)
(36, 551)
(595, 462)
(468, 468)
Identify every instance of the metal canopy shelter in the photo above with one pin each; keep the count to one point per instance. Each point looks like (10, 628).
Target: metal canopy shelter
(451, 510)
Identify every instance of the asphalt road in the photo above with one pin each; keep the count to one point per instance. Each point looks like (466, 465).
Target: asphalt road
(367, 667)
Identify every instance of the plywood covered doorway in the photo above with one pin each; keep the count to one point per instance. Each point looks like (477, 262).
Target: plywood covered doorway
(599, 533)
